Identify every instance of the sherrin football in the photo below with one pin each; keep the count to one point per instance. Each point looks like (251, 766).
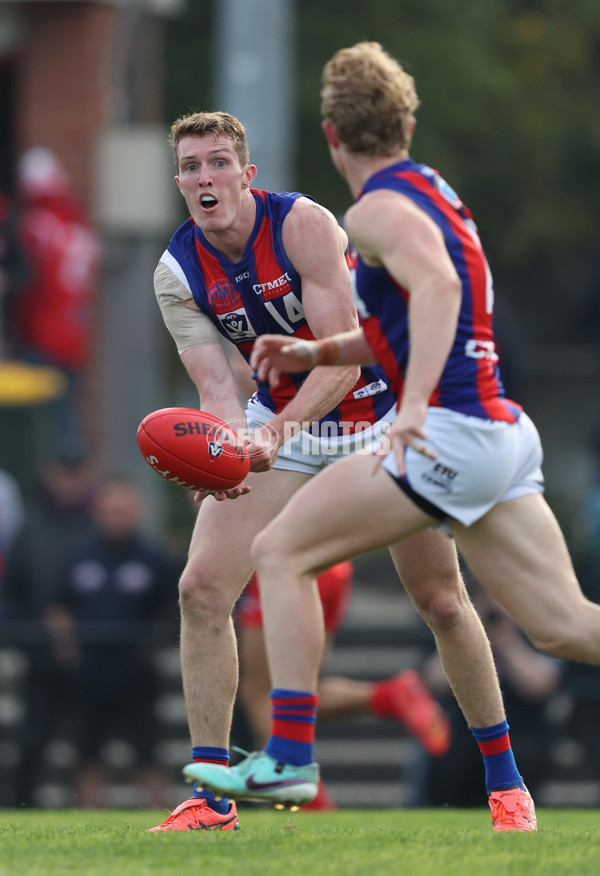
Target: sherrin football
(193, 449)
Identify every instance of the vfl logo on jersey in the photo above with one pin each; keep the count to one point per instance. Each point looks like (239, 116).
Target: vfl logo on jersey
(215, 449)
(237, 325)
(370, 389)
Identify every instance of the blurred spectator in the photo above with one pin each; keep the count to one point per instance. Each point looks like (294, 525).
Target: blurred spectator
(528, 679)
(13, 264)
(117, 602)
(12, 510)
(589, 315)
(11, 518)
(587, 520)
(52, 315)
(55, 519)
(403, 698)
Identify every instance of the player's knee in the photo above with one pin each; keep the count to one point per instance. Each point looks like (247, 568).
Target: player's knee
(202, 599)
(266, 550)
(443, 609)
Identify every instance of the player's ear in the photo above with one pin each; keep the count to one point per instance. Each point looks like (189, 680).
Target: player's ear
(330, 131)
(178, 184)
(249, 174)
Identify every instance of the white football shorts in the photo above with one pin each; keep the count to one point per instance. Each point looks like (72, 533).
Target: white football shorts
(310, 454)
(480, 463)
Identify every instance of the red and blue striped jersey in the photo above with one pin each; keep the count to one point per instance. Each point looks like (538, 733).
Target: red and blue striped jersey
(470, 382)
(262, 294)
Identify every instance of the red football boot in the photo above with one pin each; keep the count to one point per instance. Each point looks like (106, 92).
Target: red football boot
(405, 698)
(196, 814)
(512, 810)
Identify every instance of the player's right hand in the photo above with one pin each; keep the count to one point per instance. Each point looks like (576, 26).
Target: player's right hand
(262, 446)
(405, 431)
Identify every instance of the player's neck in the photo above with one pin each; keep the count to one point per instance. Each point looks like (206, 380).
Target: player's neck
(359, 168)
(232, 241)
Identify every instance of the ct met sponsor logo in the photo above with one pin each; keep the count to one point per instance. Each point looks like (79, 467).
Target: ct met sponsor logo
(273, 288)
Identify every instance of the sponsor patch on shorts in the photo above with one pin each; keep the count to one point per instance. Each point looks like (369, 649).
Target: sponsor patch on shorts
(370, 389)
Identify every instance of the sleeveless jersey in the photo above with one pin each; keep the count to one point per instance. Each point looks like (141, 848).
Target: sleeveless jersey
(470, 382)
(262, 294)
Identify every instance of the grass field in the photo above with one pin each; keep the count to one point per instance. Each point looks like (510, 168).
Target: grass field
(414, 842)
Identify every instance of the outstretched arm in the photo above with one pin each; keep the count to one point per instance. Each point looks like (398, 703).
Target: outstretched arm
(199, 345)
(274, 355)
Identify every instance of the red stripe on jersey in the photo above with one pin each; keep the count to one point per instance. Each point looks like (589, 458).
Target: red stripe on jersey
(385, 355)
(222, 294)
(267, 264)
(435, 399)
(475, 261)
(379, 343)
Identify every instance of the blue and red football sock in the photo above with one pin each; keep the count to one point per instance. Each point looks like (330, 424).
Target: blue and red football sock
(206, 754)
(501, 771)
(293, 726)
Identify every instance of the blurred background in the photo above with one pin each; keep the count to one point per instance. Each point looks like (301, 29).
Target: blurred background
(88, 90)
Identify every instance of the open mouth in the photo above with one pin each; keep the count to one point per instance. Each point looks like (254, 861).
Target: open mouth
(207, 202)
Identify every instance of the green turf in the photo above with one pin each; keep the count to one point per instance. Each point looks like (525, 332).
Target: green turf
(441, 842)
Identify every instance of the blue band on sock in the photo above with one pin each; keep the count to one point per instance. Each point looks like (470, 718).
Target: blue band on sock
(491, 732)
(280, 693)
(205, 752)
(288, 751)
(501, 771)
(220, 755)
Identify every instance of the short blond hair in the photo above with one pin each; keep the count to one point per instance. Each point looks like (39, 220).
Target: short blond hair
(370, 99)
(218, 123)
